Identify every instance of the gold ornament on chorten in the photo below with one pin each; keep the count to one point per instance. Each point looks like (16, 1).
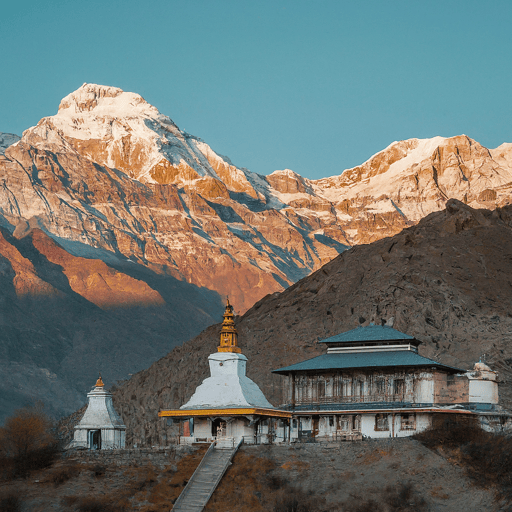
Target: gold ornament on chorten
(228, 333)
(99, 382)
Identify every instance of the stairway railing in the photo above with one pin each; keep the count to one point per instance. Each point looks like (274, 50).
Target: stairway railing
(191, 479)
(204, 460)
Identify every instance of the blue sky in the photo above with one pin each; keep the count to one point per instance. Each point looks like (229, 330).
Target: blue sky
(316, 87)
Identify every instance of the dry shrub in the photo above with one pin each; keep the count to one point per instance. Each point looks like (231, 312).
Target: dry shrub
(245, 486)
(98, 470)
(161, 491)
(10, 503)
(490, 463)
(64, 473)
(363, 506)
(69, 501)
(398, 498)
(27, 442)
(99, 504)
(251, 484)
(451, 432)
(403, 497)
(296, 500)
(486, 457)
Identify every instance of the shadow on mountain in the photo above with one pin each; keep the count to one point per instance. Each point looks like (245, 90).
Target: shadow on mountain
(330, 242)
(54, 340)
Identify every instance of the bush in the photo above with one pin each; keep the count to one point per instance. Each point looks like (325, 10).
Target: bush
(63, 474)
(403, 497)
(101, 504)
(487, 457)
(27, 442)
(10, 503)
(98, 470)
(451, 433)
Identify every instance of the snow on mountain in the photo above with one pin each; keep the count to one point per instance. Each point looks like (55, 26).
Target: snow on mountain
(415, 177)
(120, 129)
(111, 171)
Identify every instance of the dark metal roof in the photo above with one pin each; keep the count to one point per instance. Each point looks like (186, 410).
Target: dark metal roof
(378, 359)
(368, 333)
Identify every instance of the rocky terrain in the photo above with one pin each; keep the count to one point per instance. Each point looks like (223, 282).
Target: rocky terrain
(324, 478)
(122, 234)
(447, 281)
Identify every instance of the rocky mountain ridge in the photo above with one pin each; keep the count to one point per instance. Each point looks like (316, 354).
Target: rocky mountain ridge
(121, 231)
(447, 281)
(109, 170)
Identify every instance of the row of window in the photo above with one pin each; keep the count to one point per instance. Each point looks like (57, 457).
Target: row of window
(407, 422)
(352, 422)
(380, 388)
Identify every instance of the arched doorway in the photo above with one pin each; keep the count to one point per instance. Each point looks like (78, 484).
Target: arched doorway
(95, 439)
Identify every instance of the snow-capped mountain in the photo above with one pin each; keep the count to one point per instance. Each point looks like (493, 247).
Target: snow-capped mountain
(110, 171)
(119, 233)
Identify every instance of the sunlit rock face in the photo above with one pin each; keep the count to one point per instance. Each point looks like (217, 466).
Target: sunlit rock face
(110, 171)
(445, 281)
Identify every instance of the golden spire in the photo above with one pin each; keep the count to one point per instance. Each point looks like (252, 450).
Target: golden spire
(99, 382)
(228, 333)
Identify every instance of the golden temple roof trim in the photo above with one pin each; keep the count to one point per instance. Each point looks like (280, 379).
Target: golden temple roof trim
(238, 411)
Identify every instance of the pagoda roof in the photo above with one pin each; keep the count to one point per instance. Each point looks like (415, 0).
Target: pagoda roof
(369, 333)
(377, 359)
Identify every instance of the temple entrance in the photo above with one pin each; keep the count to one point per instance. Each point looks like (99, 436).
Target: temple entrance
(95, 439)
(218, 428)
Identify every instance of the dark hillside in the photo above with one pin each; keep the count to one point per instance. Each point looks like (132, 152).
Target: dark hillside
(447, 281)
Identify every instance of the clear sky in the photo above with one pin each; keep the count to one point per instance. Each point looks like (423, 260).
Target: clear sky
(313, 86)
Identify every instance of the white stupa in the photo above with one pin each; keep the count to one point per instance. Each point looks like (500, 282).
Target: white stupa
(100, 428)
(228, 404)
(228, 386)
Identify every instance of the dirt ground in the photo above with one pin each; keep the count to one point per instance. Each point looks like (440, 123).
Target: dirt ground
(334, 477)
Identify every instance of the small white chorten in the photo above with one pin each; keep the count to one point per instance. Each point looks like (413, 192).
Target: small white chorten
(100, 428)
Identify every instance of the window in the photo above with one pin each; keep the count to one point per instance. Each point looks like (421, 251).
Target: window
(381, 422)
(321, 389)
(294, 424)
(380, 387)
(398, 387)
(331, 421)
(344, 423)
(408, 422)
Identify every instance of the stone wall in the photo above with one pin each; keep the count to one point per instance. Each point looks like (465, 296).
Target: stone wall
(160, 457)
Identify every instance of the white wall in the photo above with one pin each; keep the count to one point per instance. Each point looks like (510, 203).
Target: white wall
(483, 391)
(424, 392)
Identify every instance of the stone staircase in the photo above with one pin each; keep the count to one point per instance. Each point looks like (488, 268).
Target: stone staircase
(207, 476)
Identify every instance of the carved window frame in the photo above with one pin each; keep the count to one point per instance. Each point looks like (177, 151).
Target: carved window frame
(408, 421)
(381, 422)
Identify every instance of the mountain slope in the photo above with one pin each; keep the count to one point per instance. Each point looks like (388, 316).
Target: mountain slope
(64, 318)
(109, 170)
(121, 230)
(447, 281)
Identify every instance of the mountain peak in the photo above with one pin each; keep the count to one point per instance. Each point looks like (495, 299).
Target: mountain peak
(105, 98)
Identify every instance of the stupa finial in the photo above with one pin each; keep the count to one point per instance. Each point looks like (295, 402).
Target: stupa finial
(99, 382)
(228, 333)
